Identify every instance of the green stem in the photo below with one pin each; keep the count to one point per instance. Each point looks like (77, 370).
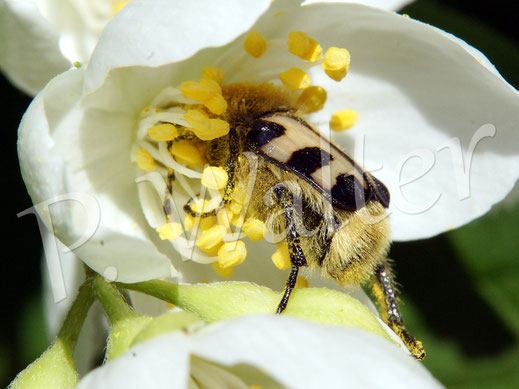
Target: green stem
(69, 332)
(112, 300)
(160, 289)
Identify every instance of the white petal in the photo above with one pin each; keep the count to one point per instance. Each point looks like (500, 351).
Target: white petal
(158, 32)
(62, 153)
(29, 46)
(295, 353)
(390, 5)
(417, 91)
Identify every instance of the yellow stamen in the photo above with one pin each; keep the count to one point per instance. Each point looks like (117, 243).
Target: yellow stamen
(211, 239)
(301, 283)
(221, 271)
(281, 257)
(254, 229)
(169, 231)
(117, 6)
(163, 132)
(187, 152)
(224, 217)
(232, 254)
(214, 177)
(189, 222)
(205, 128)
(336, 63)
(239, 196)
(216, 104)
(208, 92)
(215, 74)
(255, 44)
(144, 160)
(312, 99)
(206, 223)
(237, 221)
(344, 119)
(295, 78)
(235, 207)
(304, 47)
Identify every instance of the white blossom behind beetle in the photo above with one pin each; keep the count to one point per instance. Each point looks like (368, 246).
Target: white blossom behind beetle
(433, 116)
(42, 38)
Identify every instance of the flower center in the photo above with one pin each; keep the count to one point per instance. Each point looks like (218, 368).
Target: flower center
(186, 136)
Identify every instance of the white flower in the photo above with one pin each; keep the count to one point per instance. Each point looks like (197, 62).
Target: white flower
(417, 91)
(266, 351)
(42, 38)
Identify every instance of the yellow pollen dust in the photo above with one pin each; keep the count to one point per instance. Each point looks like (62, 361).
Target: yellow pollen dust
(144, 160)
(295, 78)
(169, 231)
(255, 44)
(281, 257)
(312, 99)
(221, 271)
(117, 6)
(211, 240)
(304, 47)
(204, 127)
(214, 177)
(163, 132)
(336, 63)
(212, 73)
(208, 92)
(254, 229)
(344, 119)
(187, 152)
(232, 254)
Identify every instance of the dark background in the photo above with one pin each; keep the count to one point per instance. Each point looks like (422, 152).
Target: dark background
(470, 335)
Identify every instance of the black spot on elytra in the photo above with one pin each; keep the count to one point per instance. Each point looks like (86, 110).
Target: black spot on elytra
(381, 192)
(308, 160)
(263, 131)
(349, 193)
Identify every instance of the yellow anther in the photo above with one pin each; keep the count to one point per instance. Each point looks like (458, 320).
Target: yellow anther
(208, 92)
(117, 6)
(169, 231)
(201, 205)
(223, 272)
(336, 63)
(170, 306)
(215, 74)
(312, 99)
(235, 207)
(301, 283)
(216, 104)
(254, 229)
(163, 132)
(189, 222)
(344, 119)
(239, 196)
(200, 91)
(214, 177)
(304, 47)
(255, 44)
(187, 152)
(281, 257)
(237, 221)
(211, 239)
(232, 254)
(144, 160)
(205, 128)
(206, 223)
(295, 78)
(224, 217)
